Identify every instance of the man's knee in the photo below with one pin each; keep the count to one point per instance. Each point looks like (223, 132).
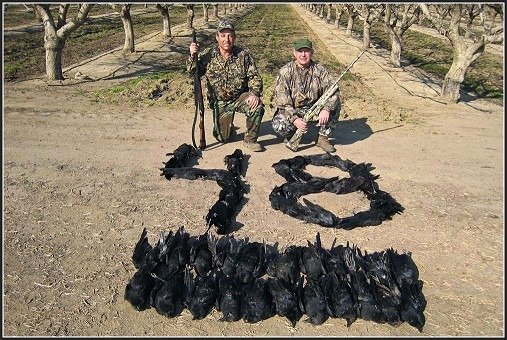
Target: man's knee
(281, 124)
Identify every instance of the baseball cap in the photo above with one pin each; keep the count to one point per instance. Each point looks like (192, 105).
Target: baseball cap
(303, 43)
(224, 24)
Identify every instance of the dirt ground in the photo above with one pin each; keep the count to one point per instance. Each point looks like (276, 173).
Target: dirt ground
(81, 179)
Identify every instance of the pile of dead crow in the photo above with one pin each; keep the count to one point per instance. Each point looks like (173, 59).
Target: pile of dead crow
(299, 183)
(254, 281)
(233, 189)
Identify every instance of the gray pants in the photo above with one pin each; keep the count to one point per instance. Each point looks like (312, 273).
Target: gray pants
(286, 129)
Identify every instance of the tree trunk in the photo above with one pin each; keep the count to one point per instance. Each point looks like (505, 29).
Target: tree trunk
(54, 40)
(128, 28)
(54, 49)
(205, 12)
(328, 16)
(190, 16)
(166, 22)
(337, 19)
(215, 11)
(395, 49)
(350, 24)
(366, 35)
(454, 77)
(38, 16)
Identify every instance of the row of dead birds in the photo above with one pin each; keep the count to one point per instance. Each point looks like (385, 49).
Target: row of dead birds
(232, 188)
(254, 281)
(299, 183)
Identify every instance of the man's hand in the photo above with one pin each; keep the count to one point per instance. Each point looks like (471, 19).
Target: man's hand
(252, 101)
(301, 124)
(194, 48)
(323, 117)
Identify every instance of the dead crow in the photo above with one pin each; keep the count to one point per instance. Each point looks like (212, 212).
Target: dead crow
(314, 302)
(225, 252)
(329, 160)
(168, 297)
(202, 293)
(285, 299)
(339, 298)
(229, 298)
(413, 304)
(257, 301)
(201, 259)
(333, 260)
(289, 205)
(367, 307)
(292, 169)
(180, 157)
(385, 290)
(234, 162)
(139, 287)
(403, 267)
(251, 261)
(311, 260)
(285, 265)
(141, 248)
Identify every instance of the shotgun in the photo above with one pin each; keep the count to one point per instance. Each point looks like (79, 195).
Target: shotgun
(199, 103)
(293, 143)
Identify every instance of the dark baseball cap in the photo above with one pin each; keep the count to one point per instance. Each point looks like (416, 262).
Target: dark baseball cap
(225, 24)
(303, 43)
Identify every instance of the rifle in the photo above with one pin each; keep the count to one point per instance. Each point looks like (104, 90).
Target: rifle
(293, 143)
(199, 103)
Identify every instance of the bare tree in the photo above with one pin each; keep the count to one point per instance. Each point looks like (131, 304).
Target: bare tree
(352, 15)
(339, 10)
(368, 13)
(190, 15)
(465, 51)
(56, 34)
(315, 8)
(215, 11)
(397, 18)
(328, 13)
(126, 19)
(166, 21)
(205, 9)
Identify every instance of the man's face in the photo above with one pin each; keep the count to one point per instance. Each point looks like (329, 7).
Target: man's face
(303, 56)
(226, 39)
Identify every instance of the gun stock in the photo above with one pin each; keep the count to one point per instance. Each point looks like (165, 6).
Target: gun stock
(293, 143)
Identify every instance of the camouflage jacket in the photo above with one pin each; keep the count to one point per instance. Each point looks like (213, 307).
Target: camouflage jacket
(227, 79)
(298, 88)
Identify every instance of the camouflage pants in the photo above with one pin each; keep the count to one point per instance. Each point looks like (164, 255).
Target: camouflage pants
(286, 129)
(223, 117)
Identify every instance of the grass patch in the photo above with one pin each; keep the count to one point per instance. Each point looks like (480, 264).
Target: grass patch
(168, 89)
(13, 67)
